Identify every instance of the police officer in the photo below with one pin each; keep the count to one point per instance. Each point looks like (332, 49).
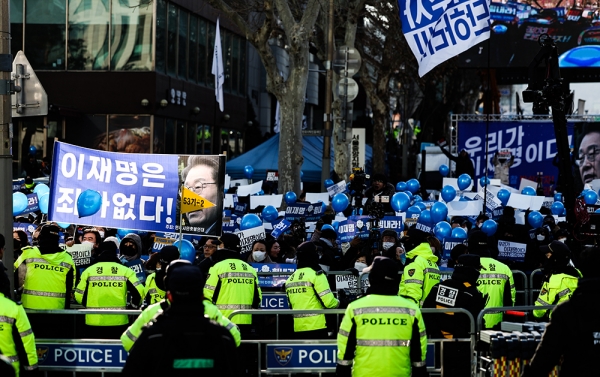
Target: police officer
(16, 335)
(46, 273)
(421, 272)
(308, 288)
(458, 292)
(105, 285)
(560, 278)
(210, 311)
(155, 288)
(382, 334)
(496, 281)
(189, 343)
(232, 285)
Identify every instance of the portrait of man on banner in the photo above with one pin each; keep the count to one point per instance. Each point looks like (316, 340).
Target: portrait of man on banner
(205, 177)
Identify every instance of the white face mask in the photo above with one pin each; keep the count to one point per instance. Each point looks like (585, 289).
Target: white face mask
(387, 245)
(87, 243)
(540, 237)
(360, 266)
(259, 256)
(466, 229)
(563, 240)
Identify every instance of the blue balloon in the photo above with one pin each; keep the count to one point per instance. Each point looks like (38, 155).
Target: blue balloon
(448, 193)
(248, 171)
(401, 186)
(484, 181)
(535, 219)
(442, 230)
(444, 170)
(20, 203)
(413, 212)
(590, 197)
(63, 225)
(290, 197)
(270, 213)
(32, 150)
(425, 217)
(417, 199)
(503, 195)
(249, 221)
(464, 181)
(557, 208)
(301, 175)
(410, 195)
(43, 202)
(41, 189)
(413, 185)
(339, 202)
(88, 203)
(528, 190)
(489, 227)
(335, 225)
(329, 182)
(459, 233)
(186, 250)
(421, 205)
(558, 197)
(400, 202)
(327, 226)
(439, 212)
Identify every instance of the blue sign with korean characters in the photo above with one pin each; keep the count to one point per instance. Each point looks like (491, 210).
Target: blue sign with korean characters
(322, 356)
(138, 191)
(92, 355)
(308, 211)
(32, 204)
(273, 280)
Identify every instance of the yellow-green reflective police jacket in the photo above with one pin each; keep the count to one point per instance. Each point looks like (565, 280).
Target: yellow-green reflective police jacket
(47, 279)
(152, 293)
(13, 317)
(135, 330)
(557, 289)
(307, 289)
(382, 336)
(496, 280)
(232, 285)
(104, 285)
(420, 275)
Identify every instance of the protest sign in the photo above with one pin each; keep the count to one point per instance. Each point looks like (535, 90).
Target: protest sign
(266, 200)
(352, 226)
(160, 242)
(81, 254)
(248, 236)
(280, 227)
(467, 208)
(315, 197)
(514, 251)
(273, 280)
(449, 244)
(27, 228)
(249, 189)
(32, 204)
(138, 191)
(306, 211)
(336, 188)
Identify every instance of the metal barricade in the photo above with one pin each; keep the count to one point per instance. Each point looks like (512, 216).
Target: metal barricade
(481, 359)
(472, 340)
(533, 292)
(525, 291)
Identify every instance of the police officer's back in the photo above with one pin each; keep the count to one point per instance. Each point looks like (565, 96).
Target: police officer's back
(421, 272)
(308, 288)
(189, 343)
(496, 280)
(560, 280)
(458, 292)
(382, 334)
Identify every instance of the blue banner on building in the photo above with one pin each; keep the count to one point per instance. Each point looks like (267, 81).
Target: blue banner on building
(81, 355)
(273, 280)
(533, 144)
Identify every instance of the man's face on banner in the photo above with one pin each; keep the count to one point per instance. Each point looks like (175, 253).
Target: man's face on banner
(201, 180)
(587, 159)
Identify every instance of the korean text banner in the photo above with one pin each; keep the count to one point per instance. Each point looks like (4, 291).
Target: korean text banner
(437, 30)
(532, 143)
(138, 191)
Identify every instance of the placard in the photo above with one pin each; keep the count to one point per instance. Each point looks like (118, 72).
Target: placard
(248, 236)
(511, 250)
(336, 188)
(273, 280)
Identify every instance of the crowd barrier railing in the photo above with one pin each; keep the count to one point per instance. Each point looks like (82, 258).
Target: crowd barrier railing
(534, 291)
(471, 340)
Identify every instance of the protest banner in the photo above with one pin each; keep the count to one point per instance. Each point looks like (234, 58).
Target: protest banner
(513, 251)
(306, 211)
(280, 227)
(32, 204)
(273, 280)
(27, 228)
(248, 236)
(336, 188)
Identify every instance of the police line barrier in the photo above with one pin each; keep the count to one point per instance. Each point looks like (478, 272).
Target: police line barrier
(534, 291)
(298, 356)
(525, 292)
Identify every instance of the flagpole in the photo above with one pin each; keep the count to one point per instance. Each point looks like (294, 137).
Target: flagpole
(217, 71)
(488, 104)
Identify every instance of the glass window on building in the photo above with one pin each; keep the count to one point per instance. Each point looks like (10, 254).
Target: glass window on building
(193, 55)
(170, 136)
(45, 36)
(242, 70)
(88, 34)
(161, 36)
(129, 133)
(172, 40)
(190, 139)
(203, 139)
(89, 131)
(211, 47)
(16, 26)
(202, 50)
(159, 135)
(131, 37)
(183, 43)
(180, 137)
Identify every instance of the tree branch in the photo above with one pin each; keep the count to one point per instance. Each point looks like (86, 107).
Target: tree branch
(309, 18)
(285, 14)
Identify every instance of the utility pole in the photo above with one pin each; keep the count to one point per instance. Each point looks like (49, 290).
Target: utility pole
(5, 139)
(327, 131)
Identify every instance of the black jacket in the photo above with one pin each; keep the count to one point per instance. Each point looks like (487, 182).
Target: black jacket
(573, 334)
(188, 344)
(467, 297)
(464, 165)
